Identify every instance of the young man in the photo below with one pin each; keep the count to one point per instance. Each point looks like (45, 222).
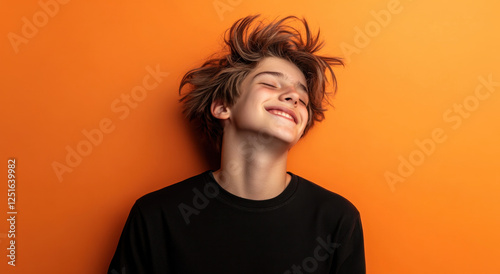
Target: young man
(254, 102)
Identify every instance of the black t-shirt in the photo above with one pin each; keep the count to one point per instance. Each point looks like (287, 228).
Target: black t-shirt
(195, 226)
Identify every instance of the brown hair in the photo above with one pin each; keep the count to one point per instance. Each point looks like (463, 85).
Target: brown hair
(219, 78)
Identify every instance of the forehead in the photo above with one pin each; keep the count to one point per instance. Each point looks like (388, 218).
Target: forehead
(287, 68)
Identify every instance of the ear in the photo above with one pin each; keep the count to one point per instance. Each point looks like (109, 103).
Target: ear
(219, 110)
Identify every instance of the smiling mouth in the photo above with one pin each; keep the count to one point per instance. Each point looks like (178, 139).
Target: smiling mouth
(282, 114)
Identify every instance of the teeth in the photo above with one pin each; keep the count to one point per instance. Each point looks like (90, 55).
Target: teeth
(281, 113)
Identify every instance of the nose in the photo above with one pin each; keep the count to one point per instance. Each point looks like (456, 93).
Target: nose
(290, 95)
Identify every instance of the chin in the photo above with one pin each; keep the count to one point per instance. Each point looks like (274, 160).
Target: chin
(288, 138)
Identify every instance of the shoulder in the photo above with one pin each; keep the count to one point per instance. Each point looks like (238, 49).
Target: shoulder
(173, 194)
(326, 199)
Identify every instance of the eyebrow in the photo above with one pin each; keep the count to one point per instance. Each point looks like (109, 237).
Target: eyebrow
(283, 76)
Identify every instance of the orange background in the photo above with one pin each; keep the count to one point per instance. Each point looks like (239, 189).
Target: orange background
(404, 74)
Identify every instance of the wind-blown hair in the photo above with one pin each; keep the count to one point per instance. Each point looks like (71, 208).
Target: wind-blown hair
(246, 43)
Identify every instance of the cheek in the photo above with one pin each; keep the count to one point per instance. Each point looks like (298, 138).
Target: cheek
(250, 108)
(306, 113)
(263, 94)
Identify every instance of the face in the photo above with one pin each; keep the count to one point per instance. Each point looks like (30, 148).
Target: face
(273, 100)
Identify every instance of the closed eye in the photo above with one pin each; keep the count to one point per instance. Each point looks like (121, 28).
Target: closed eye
(273, 86)
(269, 85)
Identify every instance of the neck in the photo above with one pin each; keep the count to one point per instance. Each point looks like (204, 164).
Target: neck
(253, 167)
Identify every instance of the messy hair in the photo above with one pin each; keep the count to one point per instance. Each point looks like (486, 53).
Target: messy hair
(247, 42)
